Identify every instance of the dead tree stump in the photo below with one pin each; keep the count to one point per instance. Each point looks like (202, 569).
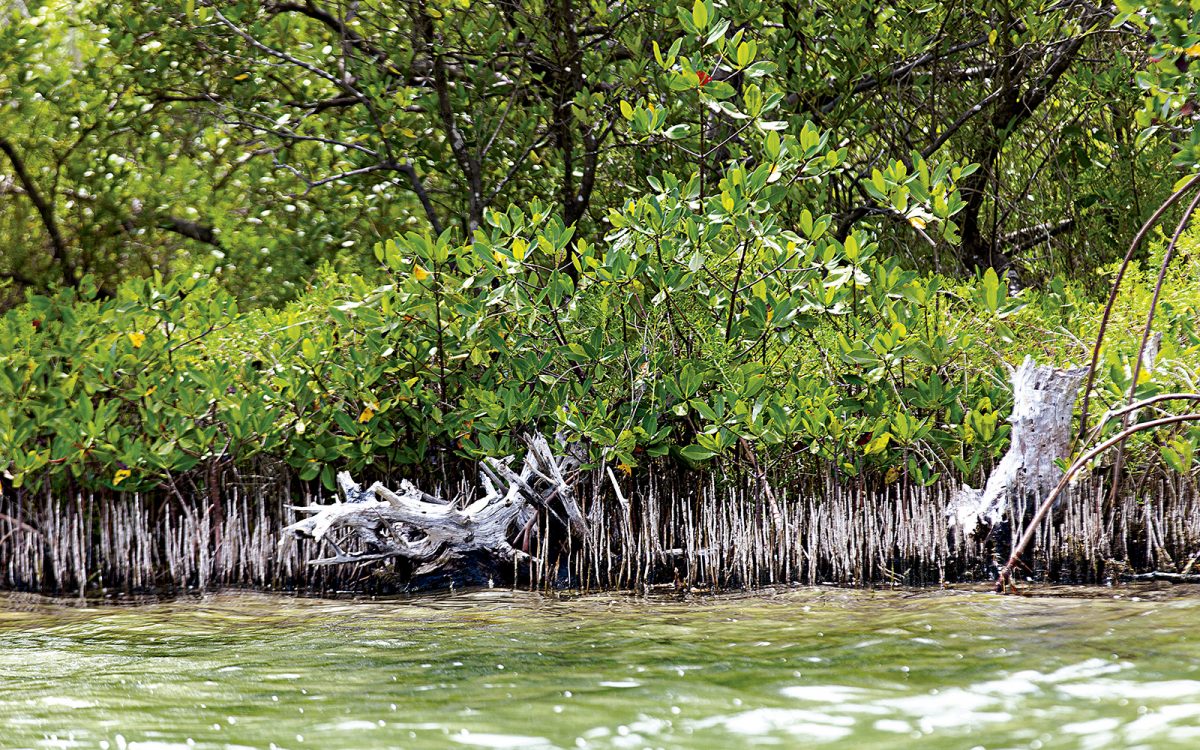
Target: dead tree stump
(1043, 405)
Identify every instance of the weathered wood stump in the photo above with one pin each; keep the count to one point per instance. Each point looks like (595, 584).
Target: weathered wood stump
(1043, 404)
(431, 532)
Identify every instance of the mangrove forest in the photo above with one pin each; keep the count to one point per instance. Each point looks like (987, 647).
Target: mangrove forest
(599, 374)
(704, 296)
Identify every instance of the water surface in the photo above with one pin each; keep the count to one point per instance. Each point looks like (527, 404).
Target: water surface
(804, 668)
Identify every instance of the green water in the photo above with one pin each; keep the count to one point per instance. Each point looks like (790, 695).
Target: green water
(807, 668)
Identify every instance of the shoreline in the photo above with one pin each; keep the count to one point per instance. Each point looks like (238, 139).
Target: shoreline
(689, 531)
(1137, 591)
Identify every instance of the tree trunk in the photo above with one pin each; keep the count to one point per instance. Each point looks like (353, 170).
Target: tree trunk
(1043, 405)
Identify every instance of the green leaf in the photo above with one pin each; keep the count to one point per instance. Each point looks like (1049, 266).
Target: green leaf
(719, 89)
(1173, 459)
(806, 222)
(771, 146)
(675, 132)
(696, 453)
(991, 290)
(700, 15)
(718, 31)
(860, 357)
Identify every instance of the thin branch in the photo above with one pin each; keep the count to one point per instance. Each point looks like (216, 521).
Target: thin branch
(287, 58)
(58, 247)
(1026, 237)
(422, 195)
(191, 229)
(351, 173)
(1116, 287)
(1005, 577)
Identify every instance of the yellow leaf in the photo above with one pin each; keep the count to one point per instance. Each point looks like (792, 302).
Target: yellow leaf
(892, 475)
(366, 415)
(137, 338)
(519, 246)
(241, 76)
(877, 444)
(420, 273)
(499, 256)
(625, 468)
(917, 222)
(121, 475)
(151, 390)
(1193, 51)
(1183, 181)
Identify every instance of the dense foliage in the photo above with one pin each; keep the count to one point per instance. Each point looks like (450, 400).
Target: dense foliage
(387, 233)
(255, 140)
(863, 370)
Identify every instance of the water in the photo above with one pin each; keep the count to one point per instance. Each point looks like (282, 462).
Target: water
(806, 668)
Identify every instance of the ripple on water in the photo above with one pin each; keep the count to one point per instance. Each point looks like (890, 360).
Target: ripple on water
(813, 726)
(842, 670)
(63, 701)
(502, 741)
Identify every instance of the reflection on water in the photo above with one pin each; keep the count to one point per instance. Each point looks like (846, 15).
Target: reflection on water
(830, 669)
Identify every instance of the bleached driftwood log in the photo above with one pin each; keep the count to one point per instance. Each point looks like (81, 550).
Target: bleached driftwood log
(432, 532)
(1043, 402)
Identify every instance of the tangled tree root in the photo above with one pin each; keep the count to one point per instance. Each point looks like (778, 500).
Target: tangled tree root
(432, 532)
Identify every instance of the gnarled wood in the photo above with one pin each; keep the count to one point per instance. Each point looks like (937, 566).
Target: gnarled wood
(1043, 402)
(432, 532)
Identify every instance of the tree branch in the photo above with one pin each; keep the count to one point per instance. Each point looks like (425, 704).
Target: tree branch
(422, 195)
(1026, 237)
(458, 144)
(191, 229)
(58, 247)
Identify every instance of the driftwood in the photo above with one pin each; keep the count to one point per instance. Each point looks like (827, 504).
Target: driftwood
(432, 532)
(1043, 401)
